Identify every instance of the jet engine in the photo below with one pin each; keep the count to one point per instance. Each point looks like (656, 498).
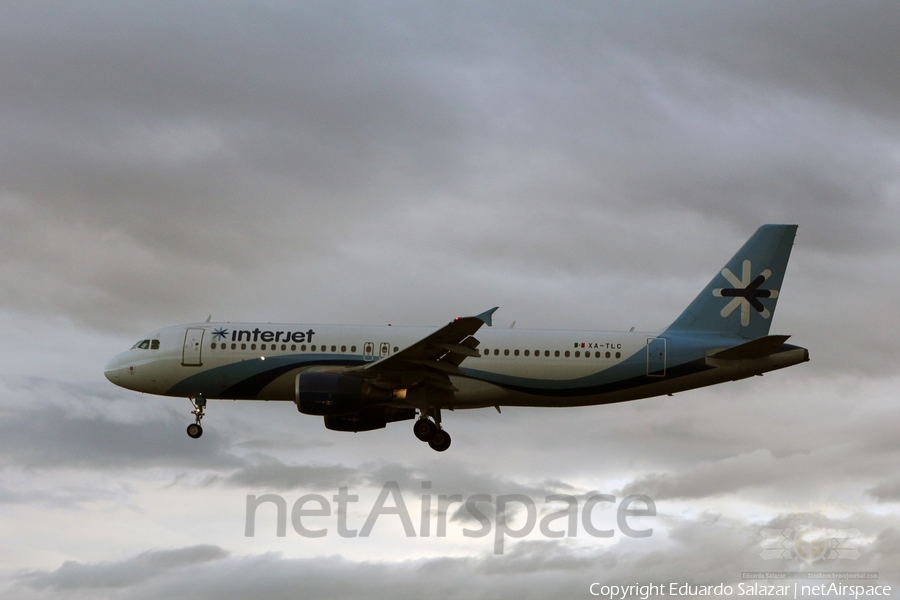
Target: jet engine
(330, 394)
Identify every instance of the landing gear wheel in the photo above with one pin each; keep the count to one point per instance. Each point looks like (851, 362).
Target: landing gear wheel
(425, 429)
(199, 403)
(440, 441)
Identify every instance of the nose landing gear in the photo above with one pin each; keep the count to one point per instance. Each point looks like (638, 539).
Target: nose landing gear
(194, 430)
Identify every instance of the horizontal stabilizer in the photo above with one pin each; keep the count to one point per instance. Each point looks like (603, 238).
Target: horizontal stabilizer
(757, 348)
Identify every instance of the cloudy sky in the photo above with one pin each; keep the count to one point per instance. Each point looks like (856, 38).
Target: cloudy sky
(583, 165)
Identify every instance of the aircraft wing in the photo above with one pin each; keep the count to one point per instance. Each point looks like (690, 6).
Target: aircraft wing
(431, 360)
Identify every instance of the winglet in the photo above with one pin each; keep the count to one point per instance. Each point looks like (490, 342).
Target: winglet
(486, 316)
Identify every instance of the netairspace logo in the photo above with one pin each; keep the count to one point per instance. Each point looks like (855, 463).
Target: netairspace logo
(810, 544)
(390, 504)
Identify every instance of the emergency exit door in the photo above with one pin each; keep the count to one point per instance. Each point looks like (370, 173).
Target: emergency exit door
(656, 357)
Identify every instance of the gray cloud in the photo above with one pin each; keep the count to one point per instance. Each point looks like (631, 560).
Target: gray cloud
(147, 565)
(267, 473)
(886, 491)
(215, 574)
(75, 436)
(531, 569)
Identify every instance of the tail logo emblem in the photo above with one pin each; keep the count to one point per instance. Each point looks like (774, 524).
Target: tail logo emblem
(745, 293)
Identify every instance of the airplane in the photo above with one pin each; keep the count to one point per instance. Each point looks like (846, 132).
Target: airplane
(360, 378)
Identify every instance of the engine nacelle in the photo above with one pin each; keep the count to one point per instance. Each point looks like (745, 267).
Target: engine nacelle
(369, 419)
(327, 394)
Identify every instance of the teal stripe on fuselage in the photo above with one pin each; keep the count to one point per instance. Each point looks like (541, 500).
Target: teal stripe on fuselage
(245, 379)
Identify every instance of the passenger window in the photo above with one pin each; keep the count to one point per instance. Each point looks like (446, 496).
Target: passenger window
(526, 353)
(506, 352)
(556, 354)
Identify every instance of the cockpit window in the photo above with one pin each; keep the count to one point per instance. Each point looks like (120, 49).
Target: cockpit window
(146, 345)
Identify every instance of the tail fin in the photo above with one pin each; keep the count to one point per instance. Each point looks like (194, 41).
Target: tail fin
(740, 299)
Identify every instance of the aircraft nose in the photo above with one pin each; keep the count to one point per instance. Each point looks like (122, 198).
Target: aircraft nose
(113, 369)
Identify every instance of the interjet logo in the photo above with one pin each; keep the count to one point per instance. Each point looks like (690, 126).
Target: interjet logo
(745, 293)
(258, 335)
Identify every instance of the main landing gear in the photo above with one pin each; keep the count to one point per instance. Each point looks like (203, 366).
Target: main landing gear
(199, 403)
(430, 431)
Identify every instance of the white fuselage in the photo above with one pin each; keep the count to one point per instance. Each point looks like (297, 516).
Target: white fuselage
(515, 367)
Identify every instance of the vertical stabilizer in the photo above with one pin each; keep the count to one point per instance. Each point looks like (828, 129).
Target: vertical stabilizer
(740, 300)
